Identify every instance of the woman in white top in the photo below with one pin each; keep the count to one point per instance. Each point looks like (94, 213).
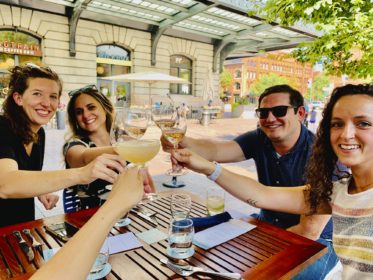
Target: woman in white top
(346, 134)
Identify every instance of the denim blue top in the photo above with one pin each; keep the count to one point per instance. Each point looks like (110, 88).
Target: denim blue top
(287, 170)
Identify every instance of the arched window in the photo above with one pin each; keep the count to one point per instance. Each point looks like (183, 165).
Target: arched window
(113, 60)
(16, 48)
(181, 66)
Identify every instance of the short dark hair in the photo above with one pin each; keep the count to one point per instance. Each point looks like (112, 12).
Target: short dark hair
(100, 98)
(296, 98)
(19, 82)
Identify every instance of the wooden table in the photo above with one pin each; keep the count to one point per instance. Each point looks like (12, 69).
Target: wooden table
(266, 252)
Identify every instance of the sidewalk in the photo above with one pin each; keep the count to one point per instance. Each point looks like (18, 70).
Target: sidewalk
(224, 129)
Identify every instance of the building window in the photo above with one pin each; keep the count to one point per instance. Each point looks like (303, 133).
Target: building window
(113, 60)
(237, 74)
(181, 66)
(237, 86)
(16, 48)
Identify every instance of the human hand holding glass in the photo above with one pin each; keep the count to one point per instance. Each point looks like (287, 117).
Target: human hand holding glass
(173, 126)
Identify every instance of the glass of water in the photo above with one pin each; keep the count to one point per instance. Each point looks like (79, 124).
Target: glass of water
(181, 205)
(180, 239)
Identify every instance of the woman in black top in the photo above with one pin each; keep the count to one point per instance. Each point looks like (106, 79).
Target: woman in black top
(32, 100)
(90, 116)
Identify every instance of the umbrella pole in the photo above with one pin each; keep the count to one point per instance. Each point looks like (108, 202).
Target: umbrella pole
(150, 96)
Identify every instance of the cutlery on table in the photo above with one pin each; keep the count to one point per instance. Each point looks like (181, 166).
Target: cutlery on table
(150, 217)
(35, 244)
(187, 270)
(22, 243)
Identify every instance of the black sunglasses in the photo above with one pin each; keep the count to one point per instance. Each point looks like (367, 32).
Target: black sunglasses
(277, 111)
(83, 89)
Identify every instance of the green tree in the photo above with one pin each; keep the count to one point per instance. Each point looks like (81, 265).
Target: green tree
(226, 81)
(266, 81)
(317, 90)
(346, 46)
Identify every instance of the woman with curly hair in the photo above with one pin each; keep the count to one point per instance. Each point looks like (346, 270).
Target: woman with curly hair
(33, 98)
(345, 134)
(90, 116)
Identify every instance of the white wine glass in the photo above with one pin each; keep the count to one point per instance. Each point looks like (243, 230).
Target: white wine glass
(174, 132)
(117, 132)
(135, 121)
(164, 116)
(173, 125)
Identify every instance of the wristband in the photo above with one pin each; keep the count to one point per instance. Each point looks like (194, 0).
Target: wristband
(214, 176)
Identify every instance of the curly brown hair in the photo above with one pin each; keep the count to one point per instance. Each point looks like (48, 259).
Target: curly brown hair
(19, 82)
(322, 164)
(92, 91)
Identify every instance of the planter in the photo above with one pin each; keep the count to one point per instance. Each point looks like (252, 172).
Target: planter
(243, 111)
(60, 119)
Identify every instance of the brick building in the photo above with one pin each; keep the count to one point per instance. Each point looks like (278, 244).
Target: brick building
(247, 70)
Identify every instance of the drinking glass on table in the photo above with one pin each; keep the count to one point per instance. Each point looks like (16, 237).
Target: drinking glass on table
(215, 200)
(180, 238)
(181, 205)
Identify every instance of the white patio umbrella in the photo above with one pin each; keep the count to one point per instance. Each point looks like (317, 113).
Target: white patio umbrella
(149, 78)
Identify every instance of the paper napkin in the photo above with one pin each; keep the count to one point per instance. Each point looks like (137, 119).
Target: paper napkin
(221, 233)
(152, 236)
(119, 243)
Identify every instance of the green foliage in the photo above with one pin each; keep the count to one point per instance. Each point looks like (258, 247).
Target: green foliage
(234, 105)
(226, 81)
(243, 100)
(267, 81)
(317, 92)
(346, 25)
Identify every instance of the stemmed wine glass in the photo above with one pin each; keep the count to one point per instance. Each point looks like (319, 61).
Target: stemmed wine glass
(135, 121)
(173, 125)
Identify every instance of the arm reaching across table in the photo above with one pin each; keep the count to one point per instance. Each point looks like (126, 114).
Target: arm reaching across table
(75, 259)
(284, 199)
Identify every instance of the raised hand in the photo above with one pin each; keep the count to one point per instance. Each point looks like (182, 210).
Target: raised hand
(193, 161)
(105, 167)
(128, 187)
(167, 146)
(49, 201)
(148, 181)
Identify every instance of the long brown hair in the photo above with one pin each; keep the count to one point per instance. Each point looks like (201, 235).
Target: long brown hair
(323, 160)
(92, 91)
(19, 82)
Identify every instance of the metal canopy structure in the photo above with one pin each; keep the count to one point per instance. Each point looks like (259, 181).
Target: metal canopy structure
(223, 23)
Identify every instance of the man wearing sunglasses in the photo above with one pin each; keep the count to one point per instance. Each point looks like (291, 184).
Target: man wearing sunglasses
(280, 147)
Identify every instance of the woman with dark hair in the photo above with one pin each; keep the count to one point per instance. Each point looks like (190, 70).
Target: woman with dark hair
(33, 98)
(345, 134)
(90, 116)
